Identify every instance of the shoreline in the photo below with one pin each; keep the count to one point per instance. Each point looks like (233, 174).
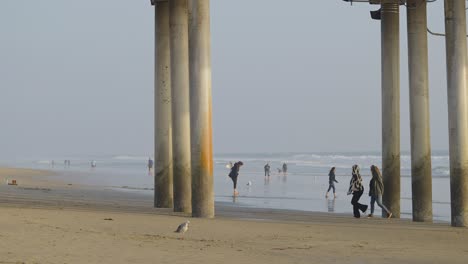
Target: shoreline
(47, 222)
(35, 185)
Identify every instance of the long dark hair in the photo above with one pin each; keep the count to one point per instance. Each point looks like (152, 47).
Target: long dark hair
(375, 172)
(332, 170)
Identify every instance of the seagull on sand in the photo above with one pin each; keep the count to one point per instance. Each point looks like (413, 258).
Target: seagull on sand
(182, 228)
(249, 183)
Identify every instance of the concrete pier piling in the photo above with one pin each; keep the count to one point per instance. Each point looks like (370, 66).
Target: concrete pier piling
(163, 181)
(200, 109)
(390, 30)
(421, 171)
(456, 50)
(178, 22)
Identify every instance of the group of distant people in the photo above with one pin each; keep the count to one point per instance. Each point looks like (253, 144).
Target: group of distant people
(234, 172)
(66, 163)
(356, 188)
(93, 164)
(267, 169)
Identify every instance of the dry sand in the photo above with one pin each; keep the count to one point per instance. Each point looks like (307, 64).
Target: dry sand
(101, 232)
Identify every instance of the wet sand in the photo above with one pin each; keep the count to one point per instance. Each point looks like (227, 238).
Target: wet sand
(44, 221)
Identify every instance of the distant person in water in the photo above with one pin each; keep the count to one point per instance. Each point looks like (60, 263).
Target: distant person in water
(285, 169)
(267, 169)
(93, 164)
(234, 174)
(357, 189)
(150, 165)
(331, 182)
(376, 190)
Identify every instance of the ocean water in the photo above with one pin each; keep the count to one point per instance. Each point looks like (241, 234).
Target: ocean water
(303, 188)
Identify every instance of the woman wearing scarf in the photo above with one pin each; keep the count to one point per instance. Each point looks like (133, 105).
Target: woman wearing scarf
(357, 189)
(376, 190)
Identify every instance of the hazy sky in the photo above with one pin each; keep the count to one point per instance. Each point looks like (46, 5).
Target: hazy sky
(76, 77)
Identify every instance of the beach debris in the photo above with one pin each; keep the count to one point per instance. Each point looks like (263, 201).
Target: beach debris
(108, 219)
(11, 182)
(182, 228)
(249, 183)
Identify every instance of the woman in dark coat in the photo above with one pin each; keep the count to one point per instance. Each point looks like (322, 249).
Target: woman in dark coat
(357, 189)
(376, 190)
(331, 182)
(234, 174)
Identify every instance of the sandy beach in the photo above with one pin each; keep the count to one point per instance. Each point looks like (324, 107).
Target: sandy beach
(44, 221)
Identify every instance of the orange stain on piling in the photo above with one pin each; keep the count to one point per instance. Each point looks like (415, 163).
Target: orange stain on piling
(206, 155)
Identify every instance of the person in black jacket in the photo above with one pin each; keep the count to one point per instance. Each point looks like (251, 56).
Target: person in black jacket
(331, 182)
(267, 169)
(234, 174)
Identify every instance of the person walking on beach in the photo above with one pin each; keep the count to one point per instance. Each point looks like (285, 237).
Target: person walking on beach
(357, 189)
(285, 168)
(376, 190)
(234, 174)
(331, 182)
(267, 170)
(150, 165)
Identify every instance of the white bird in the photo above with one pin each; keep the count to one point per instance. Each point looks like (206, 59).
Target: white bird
(249, 183)
(182, 228)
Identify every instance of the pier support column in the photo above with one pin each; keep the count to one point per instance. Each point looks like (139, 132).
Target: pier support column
(455, 28)
(200, 109)
(163, 193)
(390, 30)
(178, 21)
(421, 171)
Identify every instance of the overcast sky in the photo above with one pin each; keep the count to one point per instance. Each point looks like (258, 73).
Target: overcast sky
(76, 77)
